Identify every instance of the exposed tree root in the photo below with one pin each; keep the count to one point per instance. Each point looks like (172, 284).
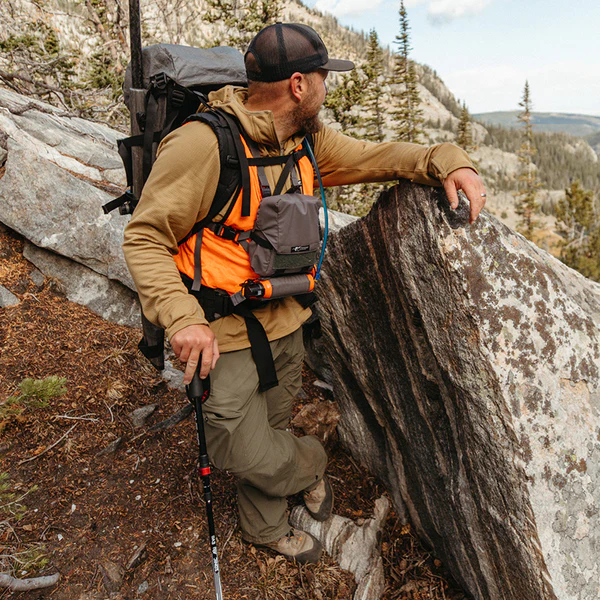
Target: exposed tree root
(25, 585)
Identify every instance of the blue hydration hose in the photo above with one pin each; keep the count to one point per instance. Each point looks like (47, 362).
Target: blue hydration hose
(326, 232)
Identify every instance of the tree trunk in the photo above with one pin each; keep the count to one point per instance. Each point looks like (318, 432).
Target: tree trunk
(466, 365)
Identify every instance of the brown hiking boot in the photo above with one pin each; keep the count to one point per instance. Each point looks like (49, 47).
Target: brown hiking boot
(319, 500)
(297, 545)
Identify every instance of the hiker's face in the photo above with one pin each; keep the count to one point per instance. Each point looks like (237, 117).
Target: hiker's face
(318, 87)
(307, 112)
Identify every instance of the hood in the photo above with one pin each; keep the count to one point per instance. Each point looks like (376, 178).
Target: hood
(259, 125)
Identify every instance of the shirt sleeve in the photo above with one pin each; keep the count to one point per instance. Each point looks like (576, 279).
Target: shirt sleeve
(345, 160)
(178, 194)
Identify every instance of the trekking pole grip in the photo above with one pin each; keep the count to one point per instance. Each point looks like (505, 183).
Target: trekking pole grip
(198, 388)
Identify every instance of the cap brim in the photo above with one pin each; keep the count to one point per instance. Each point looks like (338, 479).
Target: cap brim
(334, 64)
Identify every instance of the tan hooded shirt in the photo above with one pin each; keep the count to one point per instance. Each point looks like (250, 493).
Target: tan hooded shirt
(182, 185)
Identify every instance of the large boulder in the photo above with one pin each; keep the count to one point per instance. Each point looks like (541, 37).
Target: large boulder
(107, 298)
(58, 172)
(466, 363)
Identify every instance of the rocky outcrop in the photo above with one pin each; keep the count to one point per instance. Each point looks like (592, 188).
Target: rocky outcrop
(59, 171)
(466, 364)
(107, 298)
(7, 298)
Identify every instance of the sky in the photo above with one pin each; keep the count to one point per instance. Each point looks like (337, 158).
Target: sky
(485, 50)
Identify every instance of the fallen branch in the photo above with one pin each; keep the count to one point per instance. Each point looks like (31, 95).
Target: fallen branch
(181, 415)
(82, 418)
(25, 585)
(58, 441)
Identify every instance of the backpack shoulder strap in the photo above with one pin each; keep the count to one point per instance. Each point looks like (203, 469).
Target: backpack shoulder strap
(234, 173)
(309, 138)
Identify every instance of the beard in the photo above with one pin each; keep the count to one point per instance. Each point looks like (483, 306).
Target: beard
(306, 120)
(311, 125)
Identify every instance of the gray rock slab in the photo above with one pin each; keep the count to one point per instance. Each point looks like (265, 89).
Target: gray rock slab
(92, 144)
(109, 299)
(37, 277)
(336, 219)
(140, 415)
(7, 298)
(57, 172)
(173, 376)
(466, 362)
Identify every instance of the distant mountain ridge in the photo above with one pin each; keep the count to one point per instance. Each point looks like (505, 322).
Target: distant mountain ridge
(574, 124)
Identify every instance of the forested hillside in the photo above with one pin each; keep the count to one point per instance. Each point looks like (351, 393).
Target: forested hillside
(560, 157)
(573, 124)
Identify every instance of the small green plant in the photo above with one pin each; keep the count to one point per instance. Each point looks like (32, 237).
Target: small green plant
(503, 215)
(35, 393)
(30, 560)
(10, 501)
(18, 558)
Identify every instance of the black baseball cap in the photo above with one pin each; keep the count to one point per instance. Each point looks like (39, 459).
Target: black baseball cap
(280, 50)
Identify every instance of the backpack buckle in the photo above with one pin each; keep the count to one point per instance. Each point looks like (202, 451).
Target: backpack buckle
(159, 81)
(226, 233)
(129, 204)
(177, 98)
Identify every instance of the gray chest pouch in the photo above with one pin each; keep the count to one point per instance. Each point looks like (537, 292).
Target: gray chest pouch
(286, 236)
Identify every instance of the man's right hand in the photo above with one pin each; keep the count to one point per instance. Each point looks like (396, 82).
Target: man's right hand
(192, 342)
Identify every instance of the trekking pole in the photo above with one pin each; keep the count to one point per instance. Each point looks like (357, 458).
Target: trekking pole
(198, 392)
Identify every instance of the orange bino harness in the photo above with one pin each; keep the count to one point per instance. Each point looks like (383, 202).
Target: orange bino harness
(266, 246)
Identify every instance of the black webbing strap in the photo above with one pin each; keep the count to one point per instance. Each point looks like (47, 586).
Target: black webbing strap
(151, 120)
(268, 161)
(243, 159)
(229, 233)
(260, 348)
(175, 100)
(150, 351)
(124, 146)
(230, 177)
(289, 165)
(290, 161)
(197, 263)
(152, 343)
(217, 304)
(117, 202)
(265, 188)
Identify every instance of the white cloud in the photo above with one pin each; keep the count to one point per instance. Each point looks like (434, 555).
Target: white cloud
(438, 11)
(442, 11)
(343, 8)
(553, 87)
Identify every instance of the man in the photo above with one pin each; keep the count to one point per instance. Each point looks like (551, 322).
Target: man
(246, 421)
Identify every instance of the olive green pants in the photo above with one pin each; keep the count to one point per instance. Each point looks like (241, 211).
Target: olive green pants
(246, 435)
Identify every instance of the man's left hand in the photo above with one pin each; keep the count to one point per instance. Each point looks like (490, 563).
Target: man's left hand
(470, 183)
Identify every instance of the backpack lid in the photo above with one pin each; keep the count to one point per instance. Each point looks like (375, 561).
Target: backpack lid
(191, 67)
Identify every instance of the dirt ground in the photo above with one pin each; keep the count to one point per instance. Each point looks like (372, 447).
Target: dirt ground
(86, 510)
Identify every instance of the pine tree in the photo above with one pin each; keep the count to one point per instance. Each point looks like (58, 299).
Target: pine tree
(527, 206)
(373, 92)
(578, 223)
(243, 19)
(343, 99)
(409, 116)
(464, 136)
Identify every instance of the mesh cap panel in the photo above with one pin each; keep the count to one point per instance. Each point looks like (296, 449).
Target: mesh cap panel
(282, 49)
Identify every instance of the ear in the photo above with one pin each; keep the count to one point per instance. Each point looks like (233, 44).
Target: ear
(298, 86)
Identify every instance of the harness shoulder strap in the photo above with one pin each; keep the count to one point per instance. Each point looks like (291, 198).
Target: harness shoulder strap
(232, 176)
